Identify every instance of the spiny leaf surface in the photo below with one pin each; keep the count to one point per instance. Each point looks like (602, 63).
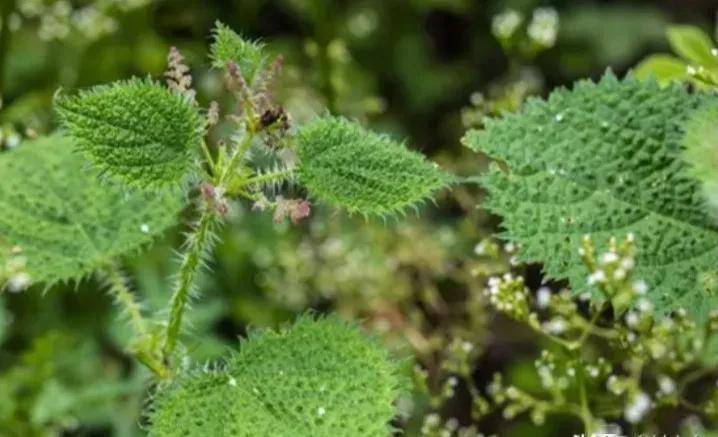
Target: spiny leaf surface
(320, 378)
(229, 46)
(350, 167)
(136, 130)
(605, 159)
(701, 151)
(65, 221)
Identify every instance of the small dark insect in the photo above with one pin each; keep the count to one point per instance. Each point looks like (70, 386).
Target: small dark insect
(273, 115)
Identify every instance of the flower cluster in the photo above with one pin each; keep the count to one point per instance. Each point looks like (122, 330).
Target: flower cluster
(58, 19)
(543, 28)
(611, 272)
(178, 78)
(615, 360)
(509, 295)
(540, 32)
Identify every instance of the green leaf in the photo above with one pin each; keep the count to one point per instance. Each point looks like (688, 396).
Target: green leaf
(348, 166)
(320, 378)
(64, 221)
(136, 131)
(605, 159)
(229, 46)
(692, 44)
(663, 68)
(701, 151)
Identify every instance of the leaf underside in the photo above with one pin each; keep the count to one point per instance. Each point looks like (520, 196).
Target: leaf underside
(605, 159)
(64, 220)
(136, 131)
(320, 378)
(347, 166)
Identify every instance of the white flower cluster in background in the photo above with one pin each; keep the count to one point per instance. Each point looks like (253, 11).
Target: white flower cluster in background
(58, 19)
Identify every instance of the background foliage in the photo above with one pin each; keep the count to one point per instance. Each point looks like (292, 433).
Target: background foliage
(421, 69)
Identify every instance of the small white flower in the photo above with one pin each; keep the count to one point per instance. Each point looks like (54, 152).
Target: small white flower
(18, 282)
(543, 297)
(632, 319)
(321, 411)
(644, 305)
(637, 408)
(505, 24)
(596, 277)
(619, 274)
(144, 228)
(466, 346)
(628, 263)
(640, 287)
(609, 257)
(666, 384)
(232, 381)
(544, 26)
(613, 385)
(555, 326)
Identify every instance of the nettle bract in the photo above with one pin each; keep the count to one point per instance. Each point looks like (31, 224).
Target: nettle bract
(131, 155)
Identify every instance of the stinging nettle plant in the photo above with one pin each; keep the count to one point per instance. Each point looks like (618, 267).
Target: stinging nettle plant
(132, 155)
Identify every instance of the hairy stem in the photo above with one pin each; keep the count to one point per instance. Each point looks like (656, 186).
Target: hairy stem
(272, 176)
(198, 243)
(142, 346)
(125, 299)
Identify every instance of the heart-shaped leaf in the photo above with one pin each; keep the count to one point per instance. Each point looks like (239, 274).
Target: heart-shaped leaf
(350, 167)
(605, 159)
(320, 378)
(62, 221)
(136, 131)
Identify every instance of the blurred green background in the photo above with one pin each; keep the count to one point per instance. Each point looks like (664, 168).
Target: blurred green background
(423, 70)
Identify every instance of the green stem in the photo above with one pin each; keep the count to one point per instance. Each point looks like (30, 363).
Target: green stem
(586, 416)
(142, 345)
(239, 152)
(588, 329)
(694, 376)
(125, 299)
(272, 176)
(208, 158)
(198, 243)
